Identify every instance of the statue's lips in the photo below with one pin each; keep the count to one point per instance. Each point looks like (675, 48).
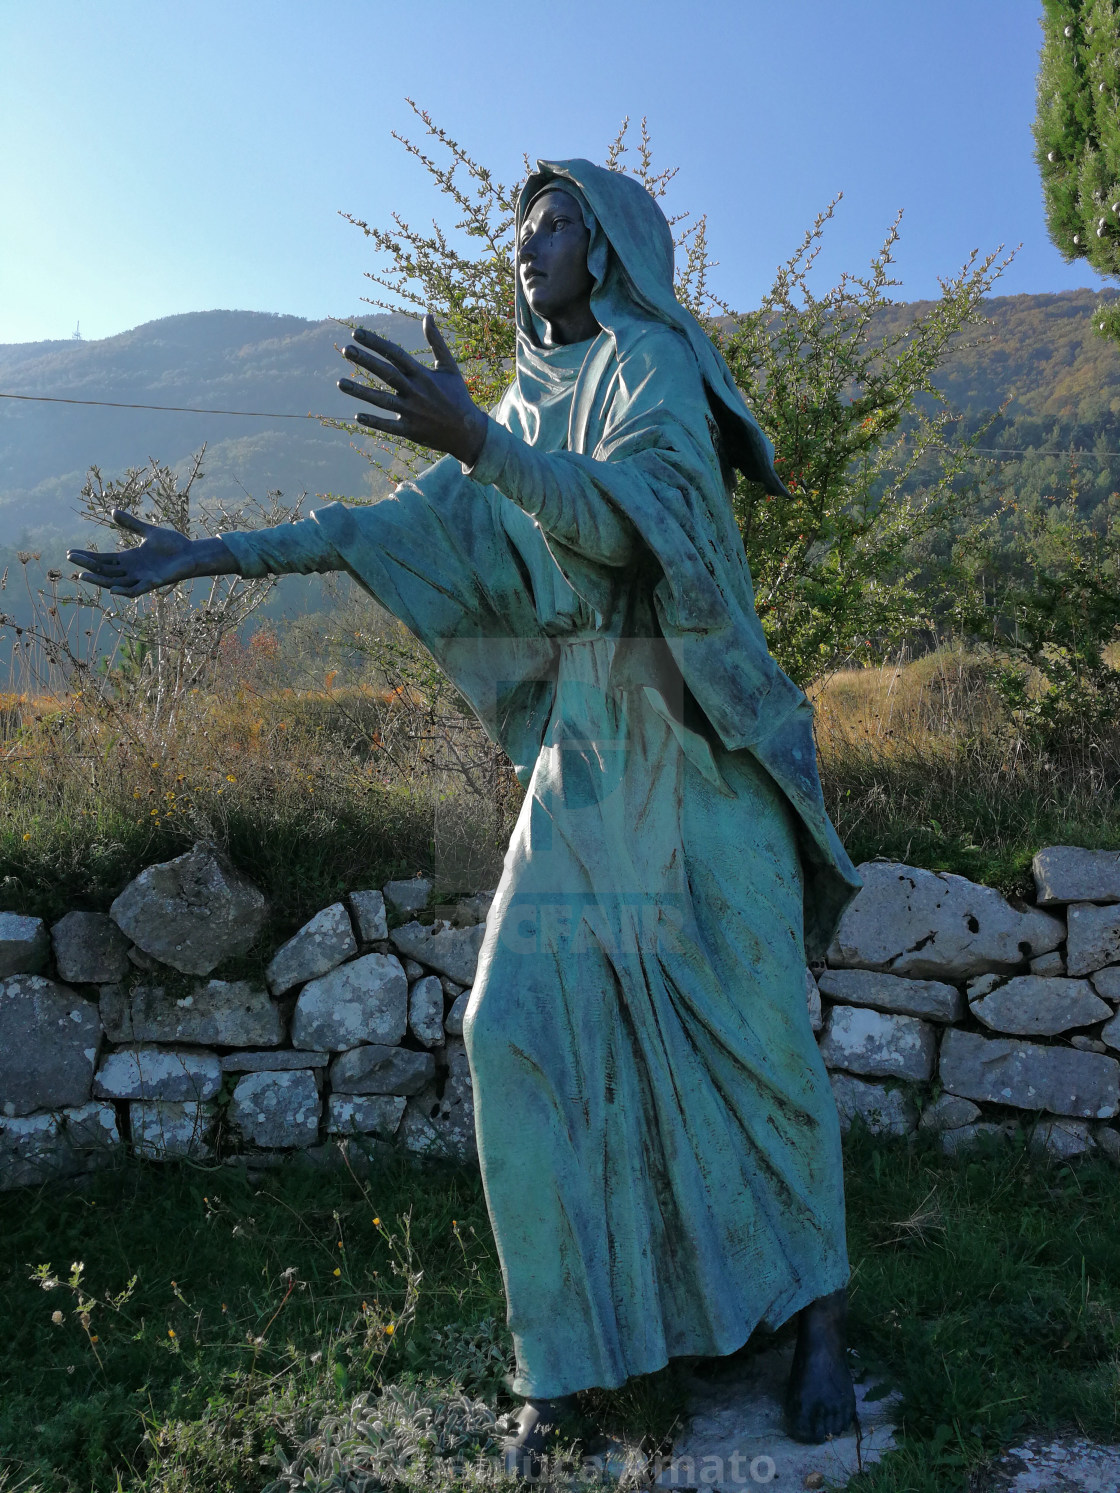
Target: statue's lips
(531, 277)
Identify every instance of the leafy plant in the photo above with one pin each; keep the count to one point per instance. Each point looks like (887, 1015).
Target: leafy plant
(1040, 584)
(146, 654)
(854, 414)
(1077, 135)
(865, 443)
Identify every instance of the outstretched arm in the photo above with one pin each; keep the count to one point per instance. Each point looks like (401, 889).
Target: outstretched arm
(163, 557)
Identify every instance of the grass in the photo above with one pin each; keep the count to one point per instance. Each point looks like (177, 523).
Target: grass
(987, 1287)
(311, 793)
(921, 762)
(314, 791)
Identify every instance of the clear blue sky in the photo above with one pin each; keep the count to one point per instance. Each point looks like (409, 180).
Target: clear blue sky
(161, 157)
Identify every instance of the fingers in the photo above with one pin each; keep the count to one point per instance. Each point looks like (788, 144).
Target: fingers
(377, 366)
(396, 355)
(444, 358)
(372, 396)
(125, 520)
(93, 559)
(386, 427)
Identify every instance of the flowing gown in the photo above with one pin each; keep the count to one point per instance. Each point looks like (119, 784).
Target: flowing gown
(657, 1136)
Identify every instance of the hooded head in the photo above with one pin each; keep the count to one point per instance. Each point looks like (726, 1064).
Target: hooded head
(630, 259)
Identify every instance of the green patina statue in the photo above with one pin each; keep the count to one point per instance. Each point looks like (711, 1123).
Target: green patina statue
(658, 1139)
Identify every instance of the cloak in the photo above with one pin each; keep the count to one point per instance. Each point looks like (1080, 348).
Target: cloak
(653, 422)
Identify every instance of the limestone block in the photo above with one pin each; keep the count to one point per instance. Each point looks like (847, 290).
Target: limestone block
(365, 1114)
(1066, 873)
(38, 1148)
(981, 984)
(1094, 937)
(363, 1001)
(1034, 1006)
(382, 1070)
(443, 1127)
(1053, 963)
(278, 1109)
(413, 970)
(320, 945)
(1107, 1138)
(471, 910)
(425, 1011)
(884, 1111)
(49, 1040)
(451, 988)
(453, 1021)
(191, 912)
(407, 898)
(1062, 1139)
(949, 1113)
(930, 999)
(966, 1136)
(178, 1073)
(919, 923)
(89, 949)
(1087, 1044)
(24, 944)
(1106, 982)
(449, 951)
(1008, 1070)
(273, 1061)
(169, 1129)
(220, 1013)
(115, 1012)
(859, 1040)
(369, 914)
(813, 997)
(1110, 1033)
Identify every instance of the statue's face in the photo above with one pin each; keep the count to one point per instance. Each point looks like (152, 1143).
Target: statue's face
(552, 257)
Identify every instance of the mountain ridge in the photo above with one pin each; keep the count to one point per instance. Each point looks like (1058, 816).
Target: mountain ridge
(1040, 352)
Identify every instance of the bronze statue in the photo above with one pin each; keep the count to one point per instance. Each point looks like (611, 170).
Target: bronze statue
(657, 1134)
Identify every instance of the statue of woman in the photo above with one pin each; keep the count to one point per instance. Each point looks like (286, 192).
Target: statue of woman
(657, 1136)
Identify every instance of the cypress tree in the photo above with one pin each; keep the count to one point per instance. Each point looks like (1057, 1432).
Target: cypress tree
(1077, 136)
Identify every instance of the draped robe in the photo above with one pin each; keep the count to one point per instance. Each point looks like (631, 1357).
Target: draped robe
(657, 1136)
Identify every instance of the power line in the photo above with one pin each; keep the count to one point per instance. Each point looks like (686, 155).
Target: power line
(176, 409)
(1017, 451)
(181, 409)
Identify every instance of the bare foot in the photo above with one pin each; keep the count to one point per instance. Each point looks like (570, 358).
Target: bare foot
(536, 1425)
(820, 1399)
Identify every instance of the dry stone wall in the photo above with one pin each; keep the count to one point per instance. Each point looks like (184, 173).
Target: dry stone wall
(942, 1008)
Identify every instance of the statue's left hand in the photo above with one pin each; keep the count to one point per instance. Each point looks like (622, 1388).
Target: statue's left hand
(433, 406)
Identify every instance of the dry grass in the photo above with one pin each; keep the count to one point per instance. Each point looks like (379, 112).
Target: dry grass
(312, 792)
(936, 702)
(921, 762)
(332, 785)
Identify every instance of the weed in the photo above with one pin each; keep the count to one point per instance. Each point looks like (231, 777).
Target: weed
(241, 1348)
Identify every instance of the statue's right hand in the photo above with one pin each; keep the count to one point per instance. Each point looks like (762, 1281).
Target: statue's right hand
(160, 559)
